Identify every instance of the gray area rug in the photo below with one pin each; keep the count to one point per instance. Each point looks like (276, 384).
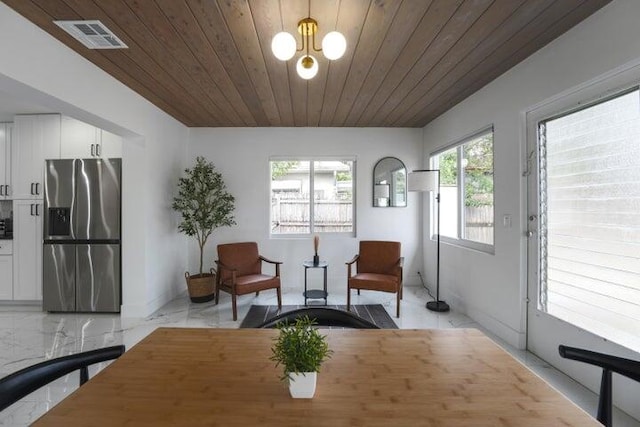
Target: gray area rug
(374, 313)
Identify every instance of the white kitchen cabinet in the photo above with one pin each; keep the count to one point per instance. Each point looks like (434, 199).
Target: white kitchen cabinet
(27, 250)
(6, 270)
(110, 145)
(80, 140)
(5, 160)
(35, 138)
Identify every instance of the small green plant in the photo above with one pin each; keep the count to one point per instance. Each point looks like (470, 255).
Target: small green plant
(299, 347)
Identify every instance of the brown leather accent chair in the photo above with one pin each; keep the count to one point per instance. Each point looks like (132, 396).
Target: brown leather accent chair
(240, 272)
(379, 268)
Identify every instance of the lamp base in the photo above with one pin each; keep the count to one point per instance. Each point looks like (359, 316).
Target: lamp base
(439, 306)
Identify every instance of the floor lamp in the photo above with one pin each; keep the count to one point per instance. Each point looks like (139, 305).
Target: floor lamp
(429, 180)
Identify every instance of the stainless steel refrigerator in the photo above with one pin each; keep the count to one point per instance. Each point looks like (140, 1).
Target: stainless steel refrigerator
(81, 251)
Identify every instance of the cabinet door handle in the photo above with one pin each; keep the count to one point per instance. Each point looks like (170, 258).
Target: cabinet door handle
(1, 190)
(98, 150)
(92, 150)
(32, 189)
(31, 209)
(37, 188)
(6, 190)
(37, 213)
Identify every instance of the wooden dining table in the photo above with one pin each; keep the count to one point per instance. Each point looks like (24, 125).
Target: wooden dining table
(223, 377)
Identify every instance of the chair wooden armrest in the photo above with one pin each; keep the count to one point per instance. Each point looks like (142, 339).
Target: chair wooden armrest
(350, 263)
(355, 258)
(276, 263)
(269, 261)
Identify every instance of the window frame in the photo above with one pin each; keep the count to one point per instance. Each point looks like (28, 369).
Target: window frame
(311, 159)
(433, 164)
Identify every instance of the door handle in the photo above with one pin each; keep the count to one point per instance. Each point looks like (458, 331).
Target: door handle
(1, 190)
(98, 150)
(31, 209)
(32, 193)
(92, 150)
(37, 188)
(37, 213)
(6, 190)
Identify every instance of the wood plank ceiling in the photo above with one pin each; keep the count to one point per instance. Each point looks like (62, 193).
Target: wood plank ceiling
(209, 63)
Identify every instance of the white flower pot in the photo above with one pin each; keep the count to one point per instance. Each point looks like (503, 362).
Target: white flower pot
(302, 385)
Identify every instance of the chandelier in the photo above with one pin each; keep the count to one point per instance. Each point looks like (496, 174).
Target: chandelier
(284, 47)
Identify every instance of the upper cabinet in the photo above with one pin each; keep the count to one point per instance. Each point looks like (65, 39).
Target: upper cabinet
(35, 138)
(6, 190)
(81, 140)
(110, 145)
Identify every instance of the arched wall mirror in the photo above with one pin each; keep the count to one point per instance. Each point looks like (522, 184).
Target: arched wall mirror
(389, 183)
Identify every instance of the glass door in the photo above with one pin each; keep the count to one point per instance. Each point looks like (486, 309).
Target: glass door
(583, 177)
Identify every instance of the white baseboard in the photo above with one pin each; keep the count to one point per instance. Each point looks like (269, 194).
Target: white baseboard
(143, 310)
(517, 339)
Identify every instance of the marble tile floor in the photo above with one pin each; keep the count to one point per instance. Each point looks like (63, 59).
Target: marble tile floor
(28, 336)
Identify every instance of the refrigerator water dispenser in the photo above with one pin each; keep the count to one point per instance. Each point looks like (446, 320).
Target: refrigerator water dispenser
(59, 222)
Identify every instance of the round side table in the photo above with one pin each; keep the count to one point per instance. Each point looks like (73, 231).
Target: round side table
(315, 293)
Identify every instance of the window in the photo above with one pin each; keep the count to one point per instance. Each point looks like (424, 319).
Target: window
(589, 197)
(466, 192)
(312, 196)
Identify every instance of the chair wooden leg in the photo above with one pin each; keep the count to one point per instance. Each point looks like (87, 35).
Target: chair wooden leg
(233, 305)
(348, 299)
(279, 299)
(398, 303)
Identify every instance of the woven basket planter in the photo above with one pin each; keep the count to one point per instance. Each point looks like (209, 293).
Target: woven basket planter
(202, 287)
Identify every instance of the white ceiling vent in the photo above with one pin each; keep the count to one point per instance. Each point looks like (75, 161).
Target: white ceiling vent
(92, 34)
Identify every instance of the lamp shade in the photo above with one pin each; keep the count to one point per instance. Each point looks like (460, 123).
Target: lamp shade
(283, 46)
(307, 67)
(334, 45)
(423, 180)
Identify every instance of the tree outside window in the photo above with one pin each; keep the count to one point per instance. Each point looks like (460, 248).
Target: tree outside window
(467, 170)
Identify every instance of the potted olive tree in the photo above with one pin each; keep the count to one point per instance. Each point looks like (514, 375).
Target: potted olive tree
(205, 205)
(300, 349)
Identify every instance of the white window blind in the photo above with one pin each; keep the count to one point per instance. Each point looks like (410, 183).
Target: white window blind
(590, 218)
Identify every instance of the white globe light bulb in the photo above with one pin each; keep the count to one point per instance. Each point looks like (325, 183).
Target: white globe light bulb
(283, 46)
(334, 45)
(307, 67)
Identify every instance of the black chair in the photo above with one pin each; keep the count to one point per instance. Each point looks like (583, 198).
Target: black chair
(608, 363)
(324, 316)
(17, 385)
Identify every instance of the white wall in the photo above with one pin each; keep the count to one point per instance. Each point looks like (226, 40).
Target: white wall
(492, 288)
(41, 70)
(242, 156)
